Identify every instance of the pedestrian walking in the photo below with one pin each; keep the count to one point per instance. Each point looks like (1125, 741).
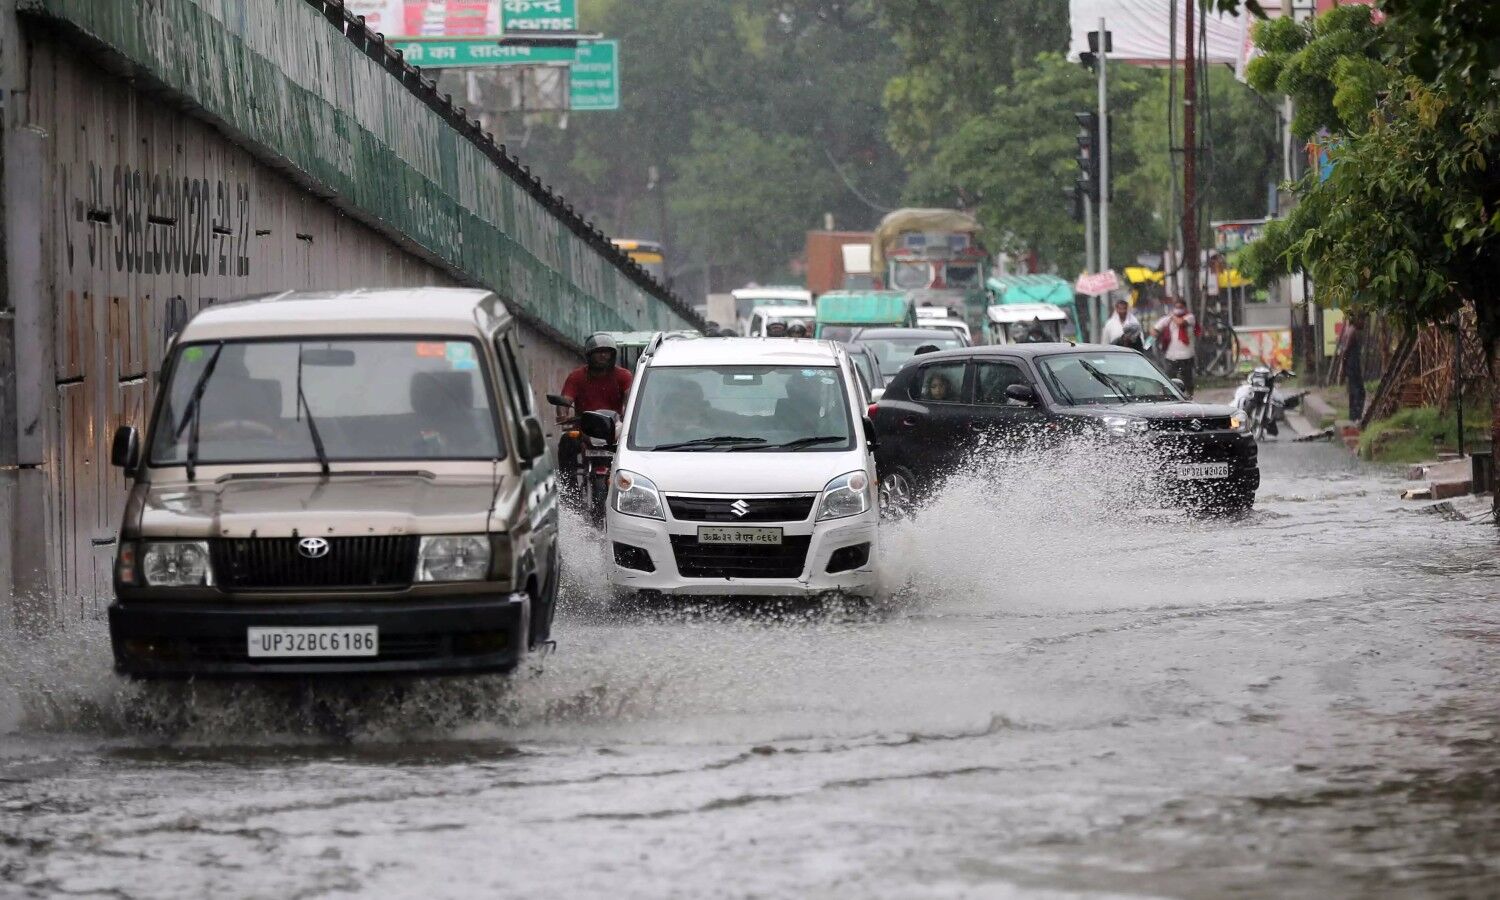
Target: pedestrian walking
(1177, 335)
(1353, 345)
(1122, 328)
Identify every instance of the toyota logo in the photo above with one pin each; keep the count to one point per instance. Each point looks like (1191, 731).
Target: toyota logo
(313, 548)
(739, 508)
(1196, 424)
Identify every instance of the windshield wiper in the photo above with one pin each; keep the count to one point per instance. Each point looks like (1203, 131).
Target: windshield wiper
(312, 425)
(718, 441)
(799, 443)
(1104, 379)
(190, 415)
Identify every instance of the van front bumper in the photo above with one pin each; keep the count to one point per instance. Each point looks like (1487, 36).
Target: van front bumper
(155, 639)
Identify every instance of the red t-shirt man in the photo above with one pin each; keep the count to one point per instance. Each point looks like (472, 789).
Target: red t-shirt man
(590, 392)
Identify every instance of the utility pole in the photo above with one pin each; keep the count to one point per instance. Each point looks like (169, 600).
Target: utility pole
(1090, 263)
(1190, 158)
(1103, 149)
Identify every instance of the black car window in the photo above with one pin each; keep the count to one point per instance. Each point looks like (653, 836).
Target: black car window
(992, 378)
(940, 383)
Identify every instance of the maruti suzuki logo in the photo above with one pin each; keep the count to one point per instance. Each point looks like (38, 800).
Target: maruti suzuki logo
(1196, 424)
(739, 508)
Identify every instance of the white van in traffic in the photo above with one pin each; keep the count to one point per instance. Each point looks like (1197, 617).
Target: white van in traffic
(746, 468)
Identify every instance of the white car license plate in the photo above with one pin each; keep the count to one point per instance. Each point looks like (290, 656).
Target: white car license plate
(715, 534)
(1201, 471)
(335, 640)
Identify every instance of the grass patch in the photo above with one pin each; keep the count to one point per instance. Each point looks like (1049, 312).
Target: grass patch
(1415, 435)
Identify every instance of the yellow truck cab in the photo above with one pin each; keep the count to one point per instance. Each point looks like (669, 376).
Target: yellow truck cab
(338, 482)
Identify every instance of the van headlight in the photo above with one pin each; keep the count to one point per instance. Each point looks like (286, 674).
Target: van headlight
(636, 495)
(177, 564)
(846, 495)
(1124, 426)
(458, 557)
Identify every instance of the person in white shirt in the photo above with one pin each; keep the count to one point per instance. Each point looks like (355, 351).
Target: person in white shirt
(1122, 328)
(1177, 335)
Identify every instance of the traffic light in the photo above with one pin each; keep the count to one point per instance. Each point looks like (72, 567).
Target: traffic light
(1088, 156)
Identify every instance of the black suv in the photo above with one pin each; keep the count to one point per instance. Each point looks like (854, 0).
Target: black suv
(941, 405)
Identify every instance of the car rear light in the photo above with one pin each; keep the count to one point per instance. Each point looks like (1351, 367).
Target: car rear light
(871, 411)
(601, 470)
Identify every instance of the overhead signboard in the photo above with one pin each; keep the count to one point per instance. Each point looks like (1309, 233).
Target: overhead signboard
(539, 15)
(596, 77)
(595, 65)
(453, 54)
(434, 19)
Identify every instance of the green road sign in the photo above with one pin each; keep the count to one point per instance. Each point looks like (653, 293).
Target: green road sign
(596, 76)
(455, 53)
(539, 15)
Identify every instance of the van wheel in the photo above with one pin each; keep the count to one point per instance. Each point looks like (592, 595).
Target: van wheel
(898, 493)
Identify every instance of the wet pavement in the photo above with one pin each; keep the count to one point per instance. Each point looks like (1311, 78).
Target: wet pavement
(1058, 701)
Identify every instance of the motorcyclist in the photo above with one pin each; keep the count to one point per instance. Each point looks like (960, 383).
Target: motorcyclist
(597, 385)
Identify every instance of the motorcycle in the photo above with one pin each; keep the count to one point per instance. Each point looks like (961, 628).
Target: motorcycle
(1263, 402)
(584, 479)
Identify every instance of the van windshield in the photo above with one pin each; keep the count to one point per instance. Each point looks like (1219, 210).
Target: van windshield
(742, 408)
(378, 399)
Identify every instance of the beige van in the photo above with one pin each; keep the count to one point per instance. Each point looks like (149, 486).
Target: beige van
(336, 483)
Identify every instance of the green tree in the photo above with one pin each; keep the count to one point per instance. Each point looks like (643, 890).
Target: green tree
(1406, 222)
(745, 199)
(955, 54)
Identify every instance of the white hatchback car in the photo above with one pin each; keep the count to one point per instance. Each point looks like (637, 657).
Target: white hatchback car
(745, 469)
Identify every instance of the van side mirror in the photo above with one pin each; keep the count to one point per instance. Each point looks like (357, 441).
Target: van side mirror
(533, 439)
(599, 425)
(1021, 393)
(1181, 385)
(125, 451)
(872, 440)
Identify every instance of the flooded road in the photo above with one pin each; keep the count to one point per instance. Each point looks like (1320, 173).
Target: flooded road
(1060, 703)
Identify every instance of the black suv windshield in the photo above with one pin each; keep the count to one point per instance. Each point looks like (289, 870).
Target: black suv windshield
(740, 409)
(1089, 378)
(375, 399)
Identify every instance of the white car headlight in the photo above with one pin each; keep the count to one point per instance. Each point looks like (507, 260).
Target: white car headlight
(846, 495)
(1124, 426)
(636, 495)
(460, 557)
(177, 564)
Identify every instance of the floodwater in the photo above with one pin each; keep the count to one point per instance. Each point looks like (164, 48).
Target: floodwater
(1061, 698)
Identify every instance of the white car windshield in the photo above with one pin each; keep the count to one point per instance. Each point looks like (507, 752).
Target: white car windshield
(326, 400)
(893, 352)
(742, 408)
(1088, 378)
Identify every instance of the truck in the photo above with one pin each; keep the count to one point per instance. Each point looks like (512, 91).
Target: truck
(934, 255)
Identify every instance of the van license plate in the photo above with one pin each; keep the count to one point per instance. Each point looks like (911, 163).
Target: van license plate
(1201, 471)
(337, 640)
(709, 534)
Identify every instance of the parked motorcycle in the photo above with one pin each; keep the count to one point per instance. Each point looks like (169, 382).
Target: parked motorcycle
(584, 478)
(1263, 403)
